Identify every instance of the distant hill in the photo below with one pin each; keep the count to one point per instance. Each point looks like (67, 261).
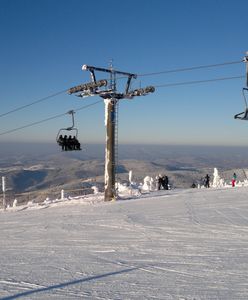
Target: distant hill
(43, 171)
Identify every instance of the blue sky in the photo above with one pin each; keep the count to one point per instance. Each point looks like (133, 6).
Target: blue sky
(45, 43)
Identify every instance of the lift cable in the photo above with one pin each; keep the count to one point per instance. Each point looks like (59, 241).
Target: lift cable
(84, 107)
(48, 119)
(158, 86)
(32, 103)
(139, 75)
(190, 68)
(198, 81)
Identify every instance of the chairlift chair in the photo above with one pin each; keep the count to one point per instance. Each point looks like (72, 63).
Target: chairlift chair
(64, 131)
(243, 115)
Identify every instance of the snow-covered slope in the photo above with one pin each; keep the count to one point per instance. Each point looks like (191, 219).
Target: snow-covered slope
(185, 244)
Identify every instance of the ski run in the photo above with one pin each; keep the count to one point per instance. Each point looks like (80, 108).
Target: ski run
(181, 244)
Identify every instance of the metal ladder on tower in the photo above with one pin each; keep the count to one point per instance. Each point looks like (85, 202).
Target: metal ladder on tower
(116, 147)
(112, 86)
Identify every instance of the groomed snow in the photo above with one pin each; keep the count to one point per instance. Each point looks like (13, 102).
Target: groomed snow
(176, 244)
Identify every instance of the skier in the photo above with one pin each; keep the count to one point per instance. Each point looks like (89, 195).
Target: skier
(65, 143)
(234, 179)
(207, 178)
(62, 142)
(75, 143)
(165, 182)
(159, 181)
(70, 143)
(193, 185)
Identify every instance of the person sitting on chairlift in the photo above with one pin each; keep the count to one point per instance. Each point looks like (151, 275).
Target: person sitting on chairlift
(75, 143)
(65, 143)
(69, 143)
(62, 142)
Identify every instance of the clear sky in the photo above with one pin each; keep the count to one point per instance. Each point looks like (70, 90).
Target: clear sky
(44, 43)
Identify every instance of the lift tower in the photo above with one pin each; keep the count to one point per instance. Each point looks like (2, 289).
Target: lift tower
(111, 97)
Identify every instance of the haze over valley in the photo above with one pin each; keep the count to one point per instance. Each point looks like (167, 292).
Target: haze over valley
(39, 171)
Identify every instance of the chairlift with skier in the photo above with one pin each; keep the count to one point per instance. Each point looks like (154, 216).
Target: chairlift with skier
(67, 138)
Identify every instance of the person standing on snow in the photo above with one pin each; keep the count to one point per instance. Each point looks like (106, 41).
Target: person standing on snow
(165, 182)
(207, 179)
(234, 179)
(159, 181)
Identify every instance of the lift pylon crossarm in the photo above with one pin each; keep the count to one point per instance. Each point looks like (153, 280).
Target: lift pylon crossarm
(87, 86)
(91, 68)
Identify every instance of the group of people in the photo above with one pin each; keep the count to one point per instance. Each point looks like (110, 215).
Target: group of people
(69, 143)
(163, 182)
(206, 181)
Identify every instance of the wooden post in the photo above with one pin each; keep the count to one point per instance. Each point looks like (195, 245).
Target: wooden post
(109, 191)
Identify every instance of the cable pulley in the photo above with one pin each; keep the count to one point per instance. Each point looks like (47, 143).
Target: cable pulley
(91, 86)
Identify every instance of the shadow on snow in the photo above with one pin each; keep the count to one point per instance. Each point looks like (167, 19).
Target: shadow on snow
(62, 285)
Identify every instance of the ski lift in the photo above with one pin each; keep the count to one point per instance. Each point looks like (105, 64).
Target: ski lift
(62, 138)
(243, 115)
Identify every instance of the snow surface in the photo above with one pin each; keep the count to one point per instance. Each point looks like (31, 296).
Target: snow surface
(176, 244)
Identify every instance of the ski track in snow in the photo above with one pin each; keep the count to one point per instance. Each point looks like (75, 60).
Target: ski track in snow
(175, 245)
